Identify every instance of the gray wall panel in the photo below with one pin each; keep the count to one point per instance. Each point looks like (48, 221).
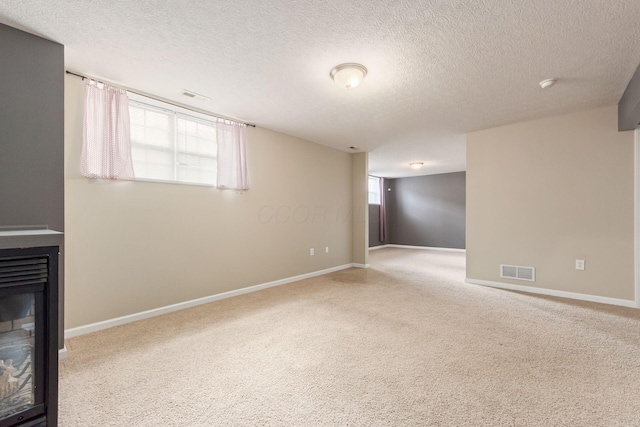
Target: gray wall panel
(429, 211)
(629, 105)
(32, 135)
(31, 130)
(374, 226)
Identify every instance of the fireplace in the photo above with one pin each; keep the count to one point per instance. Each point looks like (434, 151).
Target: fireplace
(28, 336)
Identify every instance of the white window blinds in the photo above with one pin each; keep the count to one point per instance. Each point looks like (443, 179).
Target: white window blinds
(171, 146)
(127, 132)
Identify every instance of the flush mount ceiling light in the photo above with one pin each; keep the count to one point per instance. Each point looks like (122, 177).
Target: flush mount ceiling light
(349, 75)
(416, 165)
(547, 83)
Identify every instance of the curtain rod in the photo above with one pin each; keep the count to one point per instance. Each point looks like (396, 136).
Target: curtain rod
(195, 110)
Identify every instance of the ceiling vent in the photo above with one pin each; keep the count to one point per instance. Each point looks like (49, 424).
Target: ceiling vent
(518, 272)
(194, 95)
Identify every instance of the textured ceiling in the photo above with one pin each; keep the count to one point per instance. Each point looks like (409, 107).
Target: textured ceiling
(437, 68)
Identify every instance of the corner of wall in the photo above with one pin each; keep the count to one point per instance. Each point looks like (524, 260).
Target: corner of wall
(360, 208)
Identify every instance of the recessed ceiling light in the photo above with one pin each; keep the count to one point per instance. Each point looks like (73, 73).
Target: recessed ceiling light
(354, 148)
(547, 83)
(416, 165)
(349, 75)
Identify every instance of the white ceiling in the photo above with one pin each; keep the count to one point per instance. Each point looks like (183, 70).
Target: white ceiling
(437, 68)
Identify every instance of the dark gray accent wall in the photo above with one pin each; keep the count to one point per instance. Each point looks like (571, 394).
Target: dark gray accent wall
(31, 130)
(32, 135)
(629, 105)
(425, 211)
(374, 226)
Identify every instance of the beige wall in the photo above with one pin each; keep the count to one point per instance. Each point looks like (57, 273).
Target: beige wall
(547, 192)
(360, 181)
(135, 246)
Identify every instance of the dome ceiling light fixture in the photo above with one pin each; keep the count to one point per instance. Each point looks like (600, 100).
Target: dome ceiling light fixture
(416, 165)
(348, 75)
(547, 83)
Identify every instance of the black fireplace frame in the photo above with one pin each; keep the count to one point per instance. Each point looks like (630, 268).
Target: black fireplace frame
(45, 411)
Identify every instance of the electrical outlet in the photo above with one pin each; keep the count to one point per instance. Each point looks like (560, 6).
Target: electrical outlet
(326, 250)
(312, 252)
(579, 264)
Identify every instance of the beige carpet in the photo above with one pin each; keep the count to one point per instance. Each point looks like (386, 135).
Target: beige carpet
(404, 343)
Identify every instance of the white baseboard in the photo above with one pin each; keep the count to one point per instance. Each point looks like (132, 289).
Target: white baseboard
(62, 353)
(361, 265)
(553, 292)
(431, 248)
(98, 326)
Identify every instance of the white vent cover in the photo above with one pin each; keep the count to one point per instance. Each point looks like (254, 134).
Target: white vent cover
(518, 272)
(194, 95)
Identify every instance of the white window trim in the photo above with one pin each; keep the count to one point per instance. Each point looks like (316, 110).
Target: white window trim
(144, 101)
(368, 192)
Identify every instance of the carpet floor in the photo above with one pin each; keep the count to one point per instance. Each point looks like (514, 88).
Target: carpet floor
(403, 343)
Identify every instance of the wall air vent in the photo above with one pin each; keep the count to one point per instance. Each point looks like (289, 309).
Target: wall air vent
(194, 95)
(518, 272)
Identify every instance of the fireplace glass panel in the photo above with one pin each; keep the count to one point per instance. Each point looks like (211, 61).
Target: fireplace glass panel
(17, 353)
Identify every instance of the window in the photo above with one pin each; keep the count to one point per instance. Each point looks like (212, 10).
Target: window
(374, 190)
(169, 143)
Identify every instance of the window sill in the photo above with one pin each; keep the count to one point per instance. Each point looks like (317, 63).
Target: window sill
(155, 181)
(160, 181)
